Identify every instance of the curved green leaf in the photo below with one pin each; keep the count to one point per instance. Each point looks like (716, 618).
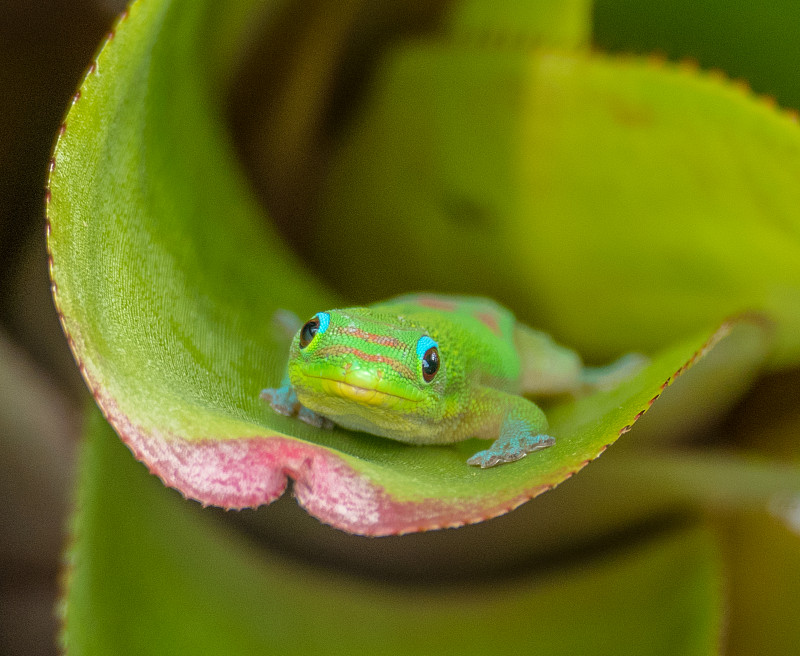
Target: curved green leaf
(748, 40)
(151, 575)
(613, 201)
(166, 280)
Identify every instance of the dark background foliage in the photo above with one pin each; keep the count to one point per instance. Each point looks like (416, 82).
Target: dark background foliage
(44, 48)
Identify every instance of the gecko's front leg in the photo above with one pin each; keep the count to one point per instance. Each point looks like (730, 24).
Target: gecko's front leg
(518, 424)
(283, 400)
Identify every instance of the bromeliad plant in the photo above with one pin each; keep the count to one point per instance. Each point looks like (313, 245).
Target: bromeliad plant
(612, 201)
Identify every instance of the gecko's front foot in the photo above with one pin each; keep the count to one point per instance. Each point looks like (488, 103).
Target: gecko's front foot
(509, 450)
(283, 400)
(313, 419)
(522, 431)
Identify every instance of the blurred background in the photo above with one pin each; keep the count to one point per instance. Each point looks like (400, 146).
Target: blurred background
(44, 49)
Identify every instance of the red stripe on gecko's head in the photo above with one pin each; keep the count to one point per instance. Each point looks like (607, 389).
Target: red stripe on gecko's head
(372, 338)
(397, 365)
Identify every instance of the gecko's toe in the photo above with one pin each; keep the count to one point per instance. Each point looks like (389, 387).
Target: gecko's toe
(484, 459)
(281, 400)
(510, 450)
(489, 458)
(313, 419)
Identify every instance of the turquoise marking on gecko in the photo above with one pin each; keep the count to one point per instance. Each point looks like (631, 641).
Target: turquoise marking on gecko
(324, 322)
(430, 369)
(424, 344)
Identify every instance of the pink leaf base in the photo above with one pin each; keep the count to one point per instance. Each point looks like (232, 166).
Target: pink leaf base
(249, 472)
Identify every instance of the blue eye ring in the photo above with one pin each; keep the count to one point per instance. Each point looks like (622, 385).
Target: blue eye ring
(428, 353)
(324, 322)
(317, 325)
(424, 344)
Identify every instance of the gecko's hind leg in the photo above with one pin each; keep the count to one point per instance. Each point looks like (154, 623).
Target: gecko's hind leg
(611, 375)
(549, 368)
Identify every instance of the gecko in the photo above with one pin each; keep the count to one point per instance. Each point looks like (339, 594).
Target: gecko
(433, 369)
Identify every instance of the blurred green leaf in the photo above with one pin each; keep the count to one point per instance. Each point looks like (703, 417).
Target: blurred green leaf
(307, 73)
(615, 202)
(762, 558)
(762, 549)
(750, 40)
(149, 574)
(719, 480)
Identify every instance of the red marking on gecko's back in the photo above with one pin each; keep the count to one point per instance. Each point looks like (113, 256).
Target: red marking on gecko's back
(436, 303)
(372, 338)
(489, 319)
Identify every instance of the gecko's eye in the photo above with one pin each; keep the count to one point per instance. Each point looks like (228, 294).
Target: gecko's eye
(430, 364)
(318, 324)
(428, 353)
(308, 331)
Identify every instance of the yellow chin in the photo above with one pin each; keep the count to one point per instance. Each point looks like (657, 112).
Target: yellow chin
(362, 395)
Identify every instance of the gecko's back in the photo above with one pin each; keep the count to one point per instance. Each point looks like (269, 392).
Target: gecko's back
(479, 334)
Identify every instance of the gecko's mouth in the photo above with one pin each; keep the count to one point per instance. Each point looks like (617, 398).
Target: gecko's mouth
(359, 394)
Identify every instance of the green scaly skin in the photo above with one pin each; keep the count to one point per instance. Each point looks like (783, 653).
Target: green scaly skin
(363, 370)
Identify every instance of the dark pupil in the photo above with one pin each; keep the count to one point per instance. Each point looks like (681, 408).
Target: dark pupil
(430, 363)
(308, 331)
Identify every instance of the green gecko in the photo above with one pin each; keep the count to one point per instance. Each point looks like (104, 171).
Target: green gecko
(431, 369)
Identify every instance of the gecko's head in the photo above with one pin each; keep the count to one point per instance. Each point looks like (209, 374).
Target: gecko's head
(368, 371)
